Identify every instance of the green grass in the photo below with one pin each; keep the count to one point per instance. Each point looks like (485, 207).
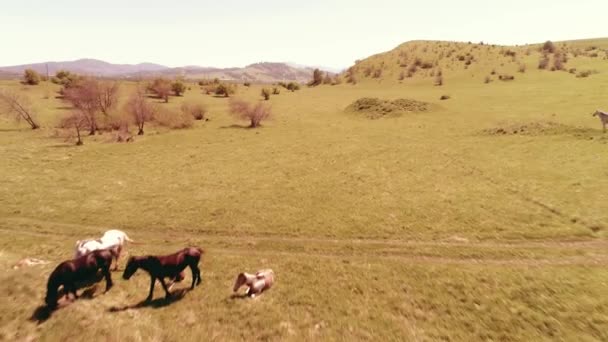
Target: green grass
(418, 227)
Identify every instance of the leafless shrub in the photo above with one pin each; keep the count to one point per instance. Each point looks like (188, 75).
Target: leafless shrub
(173, 119)
(558, 61)
(265, 93)
(196, 110)
(522, 68)
(77, 121)
(276, 91)
(84, 97)
(543, 63)
(140, 110)
(18, 107)
(253, 113)
(487, 80)
(377, 73)
(161, 87)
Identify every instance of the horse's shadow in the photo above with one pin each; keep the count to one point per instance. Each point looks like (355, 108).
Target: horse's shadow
(44, 312)
(176, 296)
(41, 314)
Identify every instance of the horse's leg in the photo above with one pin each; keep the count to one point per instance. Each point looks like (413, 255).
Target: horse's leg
(70, 288)
(108, 276)
(195, 275)
(152, 281)
(162, 282)
(118, 251)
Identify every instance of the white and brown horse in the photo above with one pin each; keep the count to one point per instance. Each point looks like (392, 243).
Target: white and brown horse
(114, 239)
(256, 283)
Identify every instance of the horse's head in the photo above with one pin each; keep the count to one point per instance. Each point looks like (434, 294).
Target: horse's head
(131, 268)
(596, 113)
(241, 279)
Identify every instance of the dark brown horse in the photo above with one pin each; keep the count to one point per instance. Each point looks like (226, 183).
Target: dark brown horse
(71, 272)
(168, 266)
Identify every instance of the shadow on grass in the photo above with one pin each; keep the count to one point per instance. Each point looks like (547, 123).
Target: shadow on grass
(66, 145)
(176, 296)
(44, 312)
(236, 126)
(19, 129)
(41, 314)
(236, 296)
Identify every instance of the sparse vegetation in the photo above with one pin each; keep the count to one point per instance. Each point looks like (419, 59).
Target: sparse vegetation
(585, 73)
(161, 87)
(224, 89)
(178, 87)
(17, 106)
(265, 94)
(140, 110)
(31, 77)
(317, 78)
(543, 63)
(375, 108)
(196, 110)
(254, 113)
(548, 47)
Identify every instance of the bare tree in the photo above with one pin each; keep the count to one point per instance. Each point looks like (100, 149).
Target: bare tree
(84, 98)
(75, 120)
(140, 110)
(107, 96)
(246, 111)
(18, 107)
(162, 88)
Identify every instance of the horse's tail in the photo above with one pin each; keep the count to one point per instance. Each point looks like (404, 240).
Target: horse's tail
(127, 238)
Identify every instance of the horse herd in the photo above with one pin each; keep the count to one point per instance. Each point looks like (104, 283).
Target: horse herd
(95, 256)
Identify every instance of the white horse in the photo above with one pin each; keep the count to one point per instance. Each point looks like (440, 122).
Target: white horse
(114, 239)
(256, 283)
(603, 118)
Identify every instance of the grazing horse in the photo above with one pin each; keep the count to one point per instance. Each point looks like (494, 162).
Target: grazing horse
(111, 238)
(603, 118)
(256, 283)
(69, 272)
(168, 266)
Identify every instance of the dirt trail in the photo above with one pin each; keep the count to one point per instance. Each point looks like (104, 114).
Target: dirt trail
(188, 234)
(597, 250)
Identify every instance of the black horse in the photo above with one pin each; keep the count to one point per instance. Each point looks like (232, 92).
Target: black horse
(71, 272)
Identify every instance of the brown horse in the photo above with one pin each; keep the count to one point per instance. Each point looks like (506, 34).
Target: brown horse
(70, 272)
(168, 266)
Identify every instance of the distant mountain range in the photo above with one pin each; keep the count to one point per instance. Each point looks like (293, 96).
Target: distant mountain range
(258, 72)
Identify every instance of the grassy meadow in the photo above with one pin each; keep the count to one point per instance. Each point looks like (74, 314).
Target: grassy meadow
(484, 218)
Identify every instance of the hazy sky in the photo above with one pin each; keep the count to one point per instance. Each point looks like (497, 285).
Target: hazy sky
(313, 32)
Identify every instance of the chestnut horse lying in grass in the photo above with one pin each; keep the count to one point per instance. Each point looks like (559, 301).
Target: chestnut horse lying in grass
(70, 272)
(168, 266)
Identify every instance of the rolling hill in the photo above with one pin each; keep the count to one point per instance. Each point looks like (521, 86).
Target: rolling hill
(265, 72)
(428, 60)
